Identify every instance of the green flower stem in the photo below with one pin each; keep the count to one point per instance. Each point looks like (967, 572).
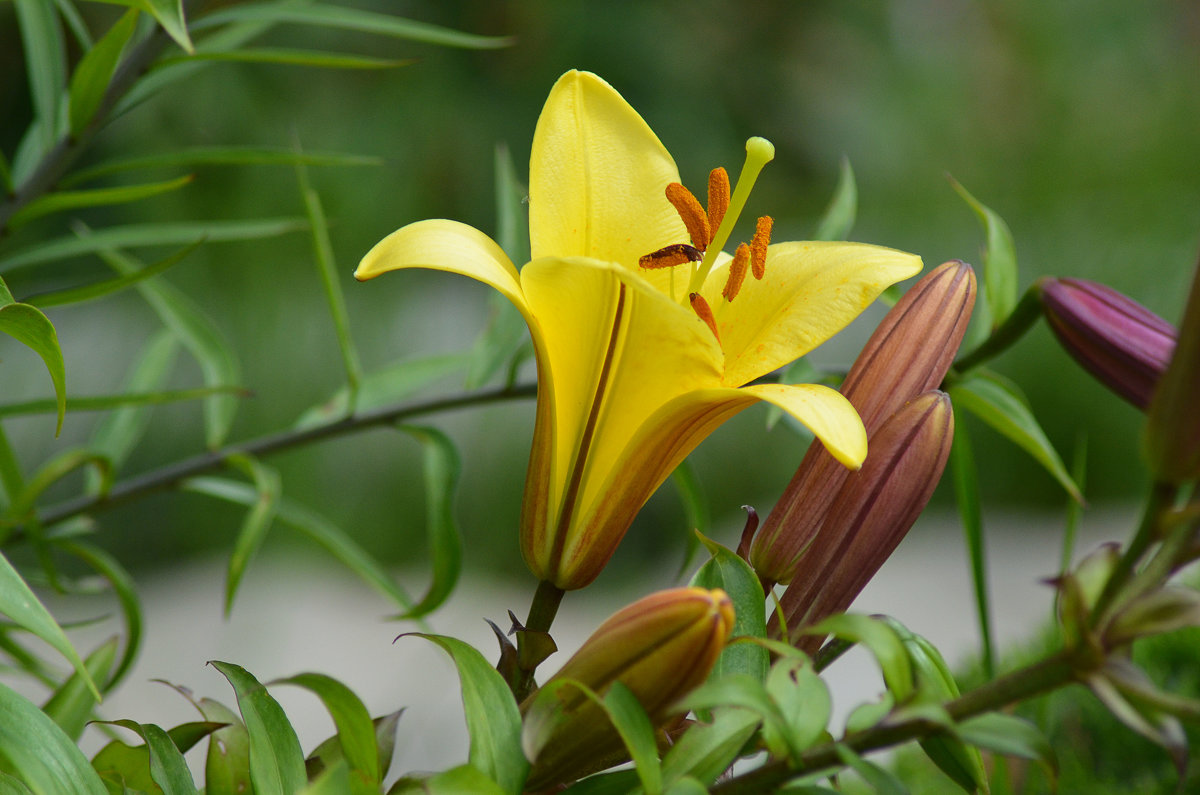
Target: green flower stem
(1027, 312)
(542, 611)
(1042, 677)
(172, 474)
(1162, 497)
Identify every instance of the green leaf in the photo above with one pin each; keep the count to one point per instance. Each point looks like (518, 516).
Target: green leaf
(1000, 404)
(37, 752)
(227, 765)
(11, 479)
(21, 606)
(110, 402)
(334, 780)
(276, 762)
(313, 525)
(442, 468)
(879, 780)
(696, 518)
(70, 706)
(95, 71)
(881, 640)
(727, 571)
(328, 16)
(95, 197)
(970, 512)
(706, 750)
(384, 387)
(267, 487)
(220, 156)
(292, 57)
(90, 292)
(45, 65)
(839, 216)
(461, 780)
(127, 768)
(633, 724)
(168, 769)
(355, 731)
(1008, 735)
(55, 470)
(999, 259)
(6, 180)
(169, 14)
(202, 339)
(27, 325)
(330, 752)
(135, 235)
(802, 698)
(75, 23)
(10, 785)
(743, 690)
(493, 721)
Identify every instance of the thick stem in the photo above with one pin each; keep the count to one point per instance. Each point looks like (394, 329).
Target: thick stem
(542, 611)
(1024, 315)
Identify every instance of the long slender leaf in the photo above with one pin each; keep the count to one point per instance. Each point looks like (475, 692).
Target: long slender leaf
(90, 292)
(168, 769)
(442, 469)
(493, 721)
(6, 180)
(259, 518)
(29, 326)
(55, 470)
(75, 23)
(136, 235)
(12, 482)
(95, 71)
(110, 402)
(839, 216)
(169, 14)
(999, 259)
(883, 643)
(707, 750)
(220, 156)
(356, 732)
(94, 197)
(970, 512)
(329, 16)
(20, 604)
(45, 65)
(127, 769)
(730, 573)
(276, 762)
(70, 706)
(292, 57)
(316, 527)
(39, 754)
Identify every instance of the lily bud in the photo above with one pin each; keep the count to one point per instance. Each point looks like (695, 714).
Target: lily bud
(1116, 339)
(660, 647)
(908, 354)
(1173, 423)
(872, 511)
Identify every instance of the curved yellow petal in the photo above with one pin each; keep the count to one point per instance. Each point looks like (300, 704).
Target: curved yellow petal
(597, 175)
(825, 412)
(811, 291)
(616, 350)
(445, 246)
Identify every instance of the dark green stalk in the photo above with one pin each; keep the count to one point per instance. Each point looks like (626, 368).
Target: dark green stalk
(1027, 312)
(1162, 496)
(542, 611)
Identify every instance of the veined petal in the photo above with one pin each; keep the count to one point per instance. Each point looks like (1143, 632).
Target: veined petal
(445, 246)
(616, 350)
(811, 291)
(665, 438)
(597, 176)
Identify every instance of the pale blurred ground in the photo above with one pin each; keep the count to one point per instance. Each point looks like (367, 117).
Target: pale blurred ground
(300, 613)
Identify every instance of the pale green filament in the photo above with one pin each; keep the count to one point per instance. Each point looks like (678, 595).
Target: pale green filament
(759, 152)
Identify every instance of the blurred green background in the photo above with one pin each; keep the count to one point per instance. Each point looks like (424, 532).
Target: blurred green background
(1076, 121)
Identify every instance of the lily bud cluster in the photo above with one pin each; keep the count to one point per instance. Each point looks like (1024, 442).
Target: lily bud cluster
(832, 529)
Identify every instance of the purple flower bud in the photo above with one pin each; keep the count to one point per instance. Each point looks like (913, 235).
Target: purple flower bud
(1119, 341)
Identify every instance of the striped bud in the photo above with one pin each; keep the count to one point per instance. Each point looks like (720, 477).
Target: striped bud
(1172, 437)
(872, 511)
(908, 354)
(1121, 343)
(660, 647)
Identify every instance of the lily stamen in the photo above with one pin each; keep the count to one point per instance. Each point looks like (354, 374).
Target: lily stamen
(704, 311)
(758, 246)
(737, 271)
(718, 196)
(693, 215)
(670, 256)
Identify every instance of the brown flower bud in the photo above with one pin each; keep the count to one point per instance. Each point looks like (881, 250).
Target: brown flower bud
(660, 647)
(908, 354)
(1172, 439)
(872, 511)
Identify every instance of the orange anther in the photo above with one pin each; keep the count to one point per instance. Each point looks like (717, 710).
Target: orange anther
(718, 197)
(737, 272)
(670, 256)
(689, 209)
(704, 311)
(758, 246)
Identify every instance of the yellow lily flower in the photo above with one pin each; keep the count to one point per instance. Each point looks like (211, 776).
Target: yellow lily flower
(644, 343)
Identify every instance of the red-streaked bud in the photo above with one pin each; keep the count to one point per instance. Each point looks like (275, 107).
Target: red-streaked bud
(1121, 343)
(908, 354)
(660, 647)
(872, 511)
(1172, 437)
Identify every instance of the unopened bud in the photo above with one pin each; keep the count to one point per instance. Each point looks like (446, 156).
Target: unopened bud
(872, 511)
(1173, 422)
(660, 647)
(908, 354)
(1121, 343)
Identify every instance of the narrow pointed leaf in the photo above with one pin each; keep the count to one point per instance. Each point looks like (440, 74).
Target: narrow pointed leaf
(883, 643)
(21, 606)
(727, 571)
(220, 156)
(803, 700)
(227, 765)
(55, 470)
(95, 70)
(90, 292)
(168, 13)
(999, 260)
(746, 692)
(633, 724)
(493, 721)
(27, 325)
(442, 469)
(71, 705)
(839, 216)
(94, 197)
(39, 754)
(1001, 405)
(1008, 735)
(267, 487)
(355, 732)
(276, 762)
(45, 65)
(879, 780)
(461, 780)
(696, 518)
(970, 512)
(127, 768)
(125, 401)
(168, 769)
(293, 57)
(707, 750)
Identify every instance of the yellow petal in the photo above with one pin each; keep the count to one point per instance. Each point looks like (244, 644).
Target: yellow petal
(811, 291)
(664, 439)
(445, 246)
(600, 322)
(597, 176)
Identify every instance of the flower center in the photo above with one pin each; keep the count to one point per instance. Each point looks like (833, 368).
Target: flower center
(709, 229)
